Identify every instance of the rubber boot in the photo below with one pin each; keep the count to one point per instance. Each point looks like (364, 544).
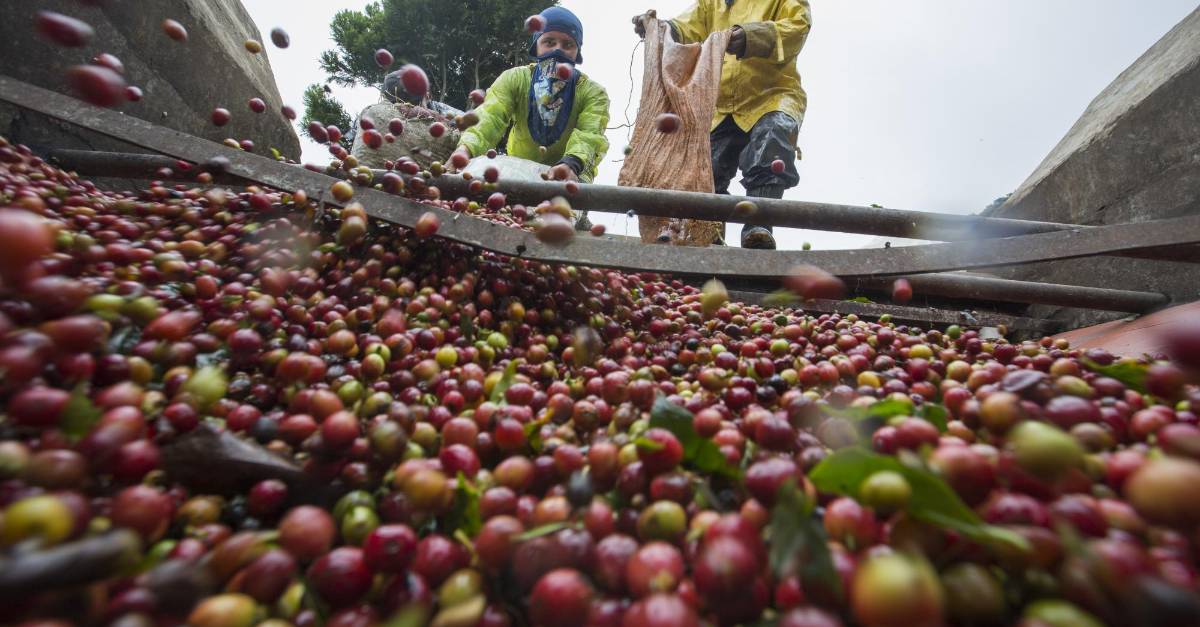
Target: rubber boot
(760, 237)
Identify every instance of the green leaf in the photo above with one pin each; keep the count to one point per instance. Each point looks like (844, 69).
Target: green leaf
(79, 416)
(466, 324)
(275, 153)
(505, 382)
(932, 500)
(538, 532)
(1130, 373)
(884, 409)
(700, 453)
(465, 515)
(798, 542)
(936, 415)
(862, 299)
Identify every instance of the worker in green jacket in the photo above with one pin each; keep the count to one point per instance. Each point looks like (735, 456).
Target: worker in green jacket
(557, 115)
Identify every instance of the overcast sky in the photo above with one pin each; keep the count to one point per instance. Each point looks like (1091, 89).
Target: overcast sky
(939, 105)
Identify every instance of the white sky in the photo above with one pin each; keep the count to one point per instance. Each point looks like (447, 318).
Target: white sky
(934, 105)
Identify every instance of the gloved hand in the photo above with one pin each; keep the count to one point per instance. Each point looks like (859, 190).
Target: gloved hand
(737, 42)
(639, 26)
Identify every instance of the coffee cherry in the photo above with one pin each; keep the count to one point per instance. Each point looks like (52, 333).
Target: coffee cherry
(97, 85)
(174, 30)
(667, 123)
(383, 58)
(64, 30)
(280, 38)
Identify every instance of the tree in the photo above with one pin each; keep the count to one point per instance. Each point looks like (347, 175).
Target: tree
(461, 44)
(320, 105)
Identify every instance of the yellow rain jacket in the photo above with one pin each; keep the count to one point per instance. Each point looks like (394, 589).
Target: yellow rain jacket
(765, 78)
(507, 104)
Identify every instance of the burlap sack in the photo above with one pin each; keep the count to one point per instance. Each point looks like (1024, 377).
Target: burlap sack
(415, 142)
(684, 80)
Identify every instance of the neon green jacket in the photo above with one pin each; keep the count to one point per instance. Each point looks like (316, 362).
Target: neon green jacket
(507, 104)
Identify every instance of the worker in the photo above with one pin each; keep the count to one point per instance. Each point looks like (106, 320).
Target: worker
(761, 104)
(557, 116)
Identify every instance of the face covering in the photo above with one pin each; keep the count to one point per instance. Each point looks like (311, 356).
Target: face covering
(550, 98)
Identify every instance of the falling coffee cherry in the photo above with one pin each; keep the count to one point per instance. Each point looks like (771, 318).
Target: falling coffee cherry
(745, 209)
(109, 61)
(383, 58)
(133, 93)
(221, 116)
(288, 112)
(372, 138)
(64, 30)
(778, 166)
(316, 131)
(809, 282)
(395, 126)
(598, 230)
(414, 80)
(257, 105)
(97, 85)
(174, 30)
(564, 71)
(253, 46)
(535, 23)
(667, 123)
(478, 96)
(902, 291)
(427, 225)
(437, 129)
(280, 38)
(334, 133)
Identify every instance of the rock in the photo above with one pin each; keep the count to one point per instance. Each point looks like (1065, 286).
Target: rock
(182, 81)
(1131, 157)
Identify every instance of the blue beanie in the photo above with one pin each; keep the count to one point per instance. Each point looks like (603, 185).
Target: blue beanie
(563, 21)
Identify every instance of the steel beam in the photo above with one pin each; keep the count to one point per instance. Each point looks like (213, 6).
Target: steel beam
(925, 315)
(979, 287)
(597, 252)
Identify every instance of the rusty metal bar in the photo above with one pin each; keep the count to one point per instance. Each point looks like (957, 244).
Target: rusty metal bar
(603, 198)
(597, 252)
(979, 287)
(666, 203)
(952, 285)
(928, 315)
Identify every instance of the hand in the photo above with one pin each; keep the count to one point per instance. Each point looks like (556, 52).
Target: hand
(639, 26)
(563, 172)
(737, 41)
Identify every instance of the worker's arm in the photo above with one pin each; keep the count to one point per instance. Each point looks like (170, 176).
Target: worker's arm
(782, 38)
(587, 142)
(495, 114)
(693, 25)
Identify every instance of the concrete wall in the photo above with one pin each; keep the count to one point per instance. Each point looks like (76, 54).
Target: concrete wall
(1133, 156)
(182, 82)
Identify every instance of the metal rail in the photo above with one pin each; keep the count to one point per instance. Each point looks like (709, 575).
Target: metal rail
(738, 263)
(670, 203)
(927, 315)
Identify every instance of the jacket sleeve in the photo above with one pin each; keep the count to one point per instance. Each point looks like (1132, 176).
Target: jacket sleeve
(781, 39)
(496, 114)
(694, 25)
(587, 141)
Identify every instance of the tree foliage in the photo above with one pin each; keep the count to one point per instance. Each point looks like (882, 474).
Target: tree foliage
(461, 44)
(320, 105)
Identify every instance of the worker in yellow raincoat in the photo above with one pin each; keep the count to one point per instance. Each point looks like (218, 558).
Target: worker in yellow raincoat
(557, 116)
(761, 103)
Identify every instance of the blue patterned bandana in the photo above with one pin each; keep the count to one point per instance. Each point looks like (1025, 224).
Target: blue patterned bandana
(550, 98)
